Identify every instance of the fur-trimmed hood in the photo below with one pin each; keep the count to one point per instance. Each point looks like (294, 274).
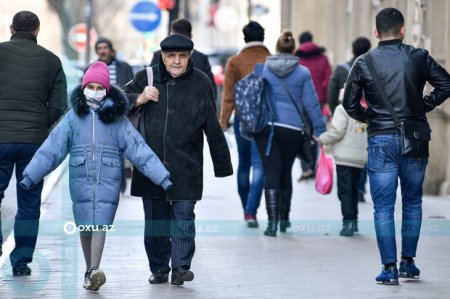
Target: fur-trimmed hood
(115, 107)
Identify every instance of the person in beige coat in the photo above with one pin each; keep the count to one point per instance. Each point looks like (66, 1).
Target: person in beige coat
(348, 139)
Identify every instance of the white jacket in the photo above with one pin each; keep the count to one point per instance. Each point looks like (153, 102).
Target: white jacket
(348, 139)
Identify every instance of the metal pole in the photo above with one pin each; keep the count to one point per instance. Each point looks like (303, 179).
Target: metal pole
(88, 14)
(249, 9)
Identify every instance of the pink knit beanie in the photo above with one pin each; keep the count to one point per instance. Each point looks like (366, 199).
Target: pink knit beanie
(97, 73)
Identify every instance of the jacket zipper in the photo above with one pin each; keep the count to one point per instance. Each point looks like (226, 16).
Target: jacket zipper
(94, 176)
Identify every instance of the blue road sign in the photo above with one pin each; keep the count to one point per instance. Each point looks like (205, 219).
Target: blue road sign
(145, 16)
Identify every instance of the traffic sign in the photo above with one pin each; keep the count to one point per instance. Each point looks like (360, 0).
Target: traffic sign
(145, 16)
(77, 37)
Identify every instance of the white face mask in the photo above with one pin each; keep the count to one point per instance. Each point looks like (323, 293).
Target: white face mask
(96, 95)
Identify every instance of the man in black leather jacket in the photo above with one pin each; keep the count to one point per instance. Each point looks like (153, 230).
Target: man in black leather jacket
(403, 71)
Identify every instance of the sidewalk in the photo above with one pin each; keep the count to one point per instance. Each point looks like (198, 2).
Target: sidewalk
(233, 261)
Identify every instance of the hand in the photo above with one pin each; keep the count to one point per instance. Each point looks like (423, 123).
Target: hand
(150, 93)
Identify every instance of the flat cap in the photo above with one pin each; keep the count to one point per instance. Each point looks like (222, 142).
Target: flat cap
(176, 42)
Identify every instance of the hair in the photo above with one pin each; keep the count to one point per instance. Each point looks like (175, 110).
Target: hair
(181, 26)
(25, 21)
(305, 36)
(253, 31)
(360, 46)
(104, 40)
(285, 43)
(389, 22)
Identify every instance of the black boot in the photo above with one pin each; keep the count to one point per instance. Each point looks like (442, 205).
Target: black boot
(348, 228)
(272, 211)
(285, 208)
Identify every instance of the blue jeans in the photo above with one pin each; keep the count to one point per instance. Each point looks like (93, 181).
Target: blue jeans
(249, 191)
(26, 223)
(385, 166)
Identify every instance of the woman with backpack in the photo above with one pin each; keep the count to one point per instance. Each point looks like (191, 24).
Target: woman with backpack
(291, 88)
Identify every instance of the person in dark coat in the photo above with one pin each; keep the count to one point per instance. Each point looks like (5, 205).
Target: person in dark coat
(177, 110)
(200, 60)
(33, 96)
(96, 133)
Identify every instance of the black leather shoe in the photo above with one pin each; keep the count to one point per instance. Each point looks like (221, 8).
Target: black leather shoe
(158, 277)
(180, 275)
(1, 252)
(21, 271)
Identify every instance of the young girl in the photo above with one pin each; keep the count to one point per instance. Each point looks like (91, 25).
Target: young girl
(348, 138)
(96, 133)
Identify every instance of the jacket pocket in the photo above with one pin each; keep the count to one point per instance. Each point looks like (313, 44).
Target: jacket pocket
(78, 167)
(111, 168)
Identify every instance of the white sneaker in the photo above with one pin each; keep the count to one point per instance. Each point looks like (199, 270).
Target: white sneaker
(97, 278)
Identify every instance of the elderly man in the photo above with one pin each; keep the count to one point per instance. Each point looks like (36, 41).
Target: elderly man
(33, 95)
(176, 111)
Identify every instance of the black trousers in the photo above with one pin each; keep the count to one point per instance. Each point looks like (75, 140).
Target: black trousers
(347, 184)
(278, 165)
(169, 233)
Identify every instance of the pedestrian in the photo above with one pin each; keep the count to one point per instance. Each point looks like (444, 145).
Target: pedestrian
(120, 73)
(348, 140)
(312, 56)
(402, 72)
(33, 96)
(95, 132)
(359, 46)
(238, 66)
(291, 89)
(177, 110)
(184, 27)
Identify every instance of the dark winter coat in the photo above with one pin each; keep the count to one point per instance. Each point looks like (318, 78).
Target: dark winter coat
(174, 128)
(314, 59)
(33, 90)
(337, 82)
(403, 71)
(96, 141)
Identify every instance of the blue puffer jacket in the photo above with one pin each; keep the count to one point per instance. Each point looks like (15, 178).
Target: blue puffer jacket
(96, 142)
(298, 80)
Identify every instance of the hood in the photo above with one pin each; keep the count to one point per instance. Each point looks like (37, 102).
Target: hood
(115, 106)
(309, 49)
(282, 65)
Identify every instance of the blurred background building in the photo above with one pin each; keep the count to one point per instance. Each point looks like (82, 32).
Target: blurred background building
(217, 28)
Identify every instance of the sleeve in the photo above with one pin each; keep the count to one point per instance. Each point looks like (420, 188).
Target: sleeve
(312, 106)
(218, 146)
(142, 156)
(135, 87)
(227, 105)
(334, 86)
(338, 127)
(57, 103)
(353, 93)
(439, 78)
(49, 155)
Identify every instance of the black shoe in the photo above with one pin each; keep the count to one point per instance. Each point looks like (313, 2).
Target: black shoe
(180, 275)
(1, 252)
(361, 197)
(348, 229)
(158, 277)
(21, 271)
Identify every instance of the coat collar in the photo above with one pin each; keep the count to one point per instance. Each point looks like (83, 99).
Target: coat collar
(115, 106)
(24, 35)
(253, 45)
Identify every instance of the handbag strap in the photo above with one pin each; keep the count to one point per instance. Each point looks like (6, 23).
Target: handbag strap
(381, 91)
(283, 83)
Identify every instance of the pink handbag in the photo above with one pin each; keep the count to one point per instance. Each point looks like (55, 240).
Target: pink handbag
(324, 173)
